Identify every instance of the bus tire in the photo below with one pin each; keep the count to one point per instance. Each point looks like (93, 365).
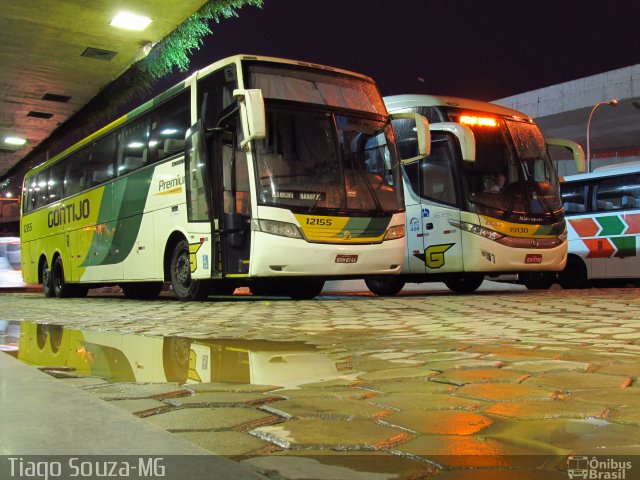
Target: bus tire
(385, 285)
(186, 288)
(574, 274)
(61, 288)
(538, 280)
(305, 289)
(175, 358)
(141, 290)
(47, 281)
(465, 282)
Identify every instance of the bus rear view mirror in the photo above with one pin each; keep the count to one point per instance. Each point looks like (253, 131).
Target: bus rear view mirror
(576, 151)
(252, 113)
(464, 134)
(412, 136)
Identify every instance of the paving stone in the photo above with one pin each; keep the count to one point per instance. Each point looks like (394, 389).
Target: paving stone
(547, 365)
(566, 435)
(503, 392)
(123, 391)
(329, 408)
(432, 401)
(443, 422)
(409, 385)
(397, 372)
(577, 381)
(480, 375)
(223, 399)
(332, 465)
(229, 387)
(85, 382)
(473, 451)
(334, 434)
(546, 409)
(141, 406)
(208, 418)
(225, 443)
(493, 474)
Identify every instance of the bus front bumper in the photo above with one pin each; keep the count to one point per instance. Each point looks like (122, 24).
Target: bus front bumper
(275, 256)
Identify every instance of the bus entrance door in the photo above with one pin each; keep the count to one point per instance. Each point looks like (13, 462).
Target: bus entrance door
(236, 198)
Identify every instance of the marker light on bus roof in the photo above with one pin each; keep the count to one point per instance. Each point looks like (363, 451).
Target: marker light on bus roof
(479, 121)
(130, 21)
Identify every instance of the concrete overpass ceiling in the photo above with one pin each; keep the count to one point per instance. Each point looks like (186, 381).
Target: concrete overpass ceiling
(57, 55)
(612, 128)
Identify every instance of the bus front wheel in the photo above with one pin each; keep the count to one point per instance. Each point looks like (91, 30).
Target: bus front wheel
(385, 286)
(465, 282)
(47, 281)
(538, 280)
(574, 274)
(304, 289)
(185, 287)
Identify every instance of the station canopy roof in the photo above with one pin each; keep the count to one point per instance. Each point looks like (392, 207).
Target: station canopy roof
(57, 55)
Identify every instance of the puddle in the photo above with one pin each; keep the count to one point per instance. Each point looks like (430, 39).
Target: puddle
(120, 357)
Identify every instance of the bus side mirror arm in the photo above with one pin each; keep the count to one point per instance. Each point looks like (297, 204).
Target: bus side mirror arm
(465, 136)
(576, 151)
(252, 113)
(422, 131)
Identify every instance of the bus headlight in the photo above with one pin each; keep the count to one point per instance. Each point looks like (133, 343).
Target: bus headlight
(397, 231)
(282, 229)
(477, 230)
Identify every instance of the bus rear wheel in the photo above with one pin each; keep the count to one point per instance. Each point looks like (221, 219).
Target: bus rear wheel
(385, 285)
(185, 287)
(141, 290)
(538, 280)
(47, 281)
(465, 282)
(61, 288)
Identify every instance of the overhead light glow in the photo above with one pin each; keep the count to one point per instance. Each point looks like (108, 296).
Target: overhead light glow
(479, 121)
(169, 131)
(15, 140)
(130, 21)
(136, 145)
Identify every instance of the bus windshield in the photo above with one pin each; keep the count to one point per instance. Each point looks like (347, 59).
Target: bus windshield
(319, 160)
(512, 173)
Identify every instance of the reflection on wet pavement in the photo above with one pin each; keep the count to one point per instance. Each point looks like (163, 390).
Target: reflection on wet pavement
(419, 389)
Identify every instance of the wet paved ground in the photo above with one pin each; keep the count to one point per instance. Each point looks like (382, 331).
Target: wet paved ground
(496, 385)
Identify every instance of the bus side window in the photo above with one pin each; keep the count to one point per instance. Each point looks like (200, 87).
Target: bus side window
(76, 173)
(133, 146)
(56, 181)
(102, 157)
(40, 189)
(215, 94)
(609, 193)
(169, 124)
(574, 197)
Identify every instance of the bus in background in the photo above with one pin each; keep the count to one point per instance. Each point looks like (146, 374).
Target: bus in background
(254, 171)
(603, 220)
(486, 201)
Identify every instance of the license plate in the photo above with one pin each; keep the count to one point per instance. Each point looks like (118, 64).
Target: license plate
(346, 258)
(533, 258)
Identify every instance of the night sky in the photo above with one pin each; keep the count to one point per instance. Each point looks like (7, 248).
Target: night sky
(480, 49)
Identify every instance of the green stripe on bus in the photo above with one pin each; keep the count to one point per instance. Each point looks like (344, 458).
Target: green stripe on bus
(366, 227)
(611, 225)
(626, 246)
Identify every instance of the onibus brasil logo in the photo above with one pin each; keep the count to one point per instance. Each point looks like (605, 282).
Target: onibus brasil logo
(585, 467)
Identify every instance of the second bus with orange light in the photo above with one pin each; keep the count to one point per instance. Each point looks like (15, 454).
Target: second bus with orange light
(486, 201)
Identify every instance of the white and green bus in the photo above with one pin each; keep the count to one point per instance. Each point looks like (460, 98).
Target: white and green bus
(603, 217)
(256, 171)
(486, 201)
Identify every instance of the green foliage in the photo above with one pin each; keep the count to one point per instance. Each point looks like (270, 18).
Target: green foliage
(174, 50)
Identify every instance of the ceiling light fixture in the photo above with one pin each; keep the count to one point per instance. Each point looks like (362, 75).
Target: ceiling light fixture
(130, 21)
(15, 141)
